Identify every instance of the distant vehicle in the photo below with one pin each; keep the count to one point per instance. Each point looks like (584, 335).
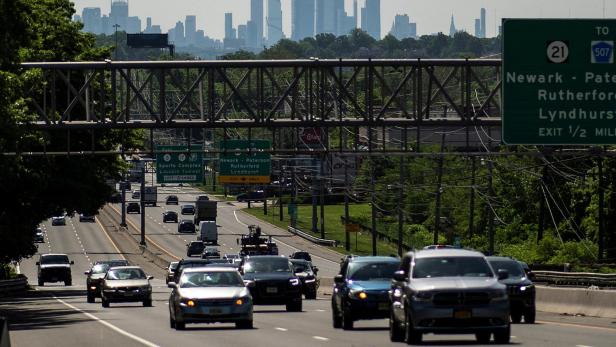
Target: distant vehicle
(58, 220)
(170, 216)
(194, 247)
(360, 290)
(203, 198)
(126, 284)
(39, 236)
(301, 255)
(150, 195)
(217, 261)
(188, 209)
(275, 283)
(86, 218)
(251, 196)
(208, 232)
(307, 273)
(54, 268)
(172, 200)
(210, 253)
(457, 281)
(136, 194)
(205, 210)
(441, 247)
(254, 244)
(186, 226)
(188, 263)
(133, 207)
(235, 266)
(520, 289)
(171, 271)
(208, 296)
(95, 276)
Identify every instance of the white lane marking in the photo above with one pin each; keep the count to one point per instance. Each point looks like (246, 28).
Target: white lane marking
(286, 244)
(582, 346)
(107, 324)
(319, 310)
(281, 329)
(320, 338)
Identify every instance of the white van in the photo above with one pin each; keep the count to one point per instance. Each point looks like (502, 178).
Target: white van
(208, 232)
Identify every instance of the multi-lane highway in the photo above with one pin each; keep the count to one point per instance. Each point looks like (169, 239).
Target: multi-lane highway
(55, 315)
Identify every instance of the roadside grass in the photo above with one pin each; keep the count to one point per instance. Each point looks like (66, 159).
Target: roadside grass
(361, 242)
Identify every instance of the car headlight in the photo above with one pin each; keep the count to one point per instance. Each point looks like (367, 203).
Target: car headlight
(528, 288)
(188, 303)
(358, 293)
(294, 281)
(498, 295)
(93, 287)
(310, 280)
(422, 296)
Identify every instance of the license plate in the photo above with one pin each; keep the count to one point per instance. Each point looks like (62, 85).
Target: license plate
(383, 306)
(271, 290)
(462, 314)
(215, 310)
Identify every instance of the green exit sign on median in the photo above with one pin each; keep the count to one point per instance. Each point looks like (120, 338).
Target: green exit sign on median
(176, 164)
(559, 82)
(243, 167)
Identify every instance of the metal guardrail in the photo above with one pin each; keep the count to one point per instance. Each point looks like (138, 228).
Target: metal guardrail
(576, 278)
(302, 234)
(19, 284)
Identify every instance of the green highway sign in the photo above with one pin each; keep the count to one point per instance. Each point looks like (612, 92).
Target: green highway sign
(176, 164)
(245, 168)
(559, 82)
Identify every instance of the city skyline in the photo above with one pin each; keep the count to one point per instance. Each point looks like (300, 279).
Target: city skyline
(428, 19)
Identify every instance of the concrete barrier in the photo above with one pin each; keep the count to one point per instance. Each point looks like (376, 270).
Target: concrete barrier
(589, 302)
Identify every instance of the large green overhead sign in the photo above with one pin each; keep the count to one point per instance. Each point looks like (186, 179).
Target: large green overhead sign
(250, 166)
(559, 82)
(176, 164)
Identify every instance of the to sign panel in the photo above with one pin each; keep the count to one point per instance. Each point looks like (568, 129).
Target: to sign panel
(179, 165)
(559, 82)
(245, 168)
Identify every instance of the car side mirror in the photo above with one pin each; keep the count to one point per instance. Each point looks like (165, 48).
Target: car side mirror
(531, 276)
(150, 277)
(400, 276)
(172, 285)
(503, 274)
(72, 262)
(38, 263)
(315, 269)
(339, 279)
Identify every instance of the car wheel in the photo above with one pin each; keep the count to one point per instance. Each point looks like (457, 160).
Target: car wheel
(41, 283)
(396, 333)
(516, 317)
(179, 325)
(503, 336)
(105, 302)
(244, 324)
(347, 319)
(530, 315)
(483, 337)
(412, 336)
(68, 283)
(91, 299)
(147, 302)
(336, 319)
(171, 322)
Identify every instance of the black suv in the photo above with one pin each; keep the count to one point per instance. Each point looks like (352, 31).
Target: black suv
(172, 200)
(361, 289)
(307, 273)
(188, 209)
(133, 207)
(54, 268)
(186, 226)
(194, 247)
(448, 291)
(170, 216)
(275, 283)
(96, 274)
(301, 255)
(520, 288)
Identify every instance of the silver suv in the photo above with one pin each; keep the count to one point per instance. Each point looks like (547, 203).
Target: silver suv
(448, 291)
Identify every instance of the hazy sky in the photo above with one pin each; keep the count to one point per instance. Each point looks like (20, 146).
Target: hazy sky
(431, 16)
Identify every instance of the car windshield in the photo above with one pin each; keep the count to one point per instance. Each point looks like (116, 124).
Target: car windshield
(267, 265)
(173, 265)
(372, 271)
(126, 274)
(192, 264)
(451, 267)
(54, 259)
(211, 279)
(303, 264)
(513, 267)
(100, 268)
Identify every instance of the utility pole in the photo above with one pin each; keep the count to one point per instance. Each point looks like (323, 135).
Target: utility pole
(347, 236)
(542, 197)
(439, 188)
(281, 208)
(471, 213)
(491, 210)
(601, 216)
(314, 196)
(373, 205)
(322, 196)
(142, 206)
(401, 194)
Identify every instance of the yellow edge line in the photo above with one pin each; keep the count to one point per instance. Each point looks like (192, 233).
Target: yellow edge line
(148, 238)
(109, 237)
(573, 325)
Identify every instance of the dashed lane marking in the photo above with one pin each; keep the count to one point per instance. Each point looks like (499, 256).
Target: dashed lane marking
(320, 338)
(281, 329)
(107, 324)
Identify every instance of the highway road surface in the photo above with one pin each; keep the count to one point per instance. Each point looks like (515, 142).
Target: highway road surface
(55, 315)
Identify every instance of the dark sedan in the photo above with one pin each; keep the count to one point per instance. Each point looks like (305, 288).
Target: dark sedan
(133, 207)
(188, 210)
(170, 217)
(172, 200)
(96, 274)
(126, 284)
(186, 226)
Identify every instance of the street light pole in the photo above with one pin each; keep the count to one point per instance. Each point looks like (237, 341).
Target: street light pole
(116, 26)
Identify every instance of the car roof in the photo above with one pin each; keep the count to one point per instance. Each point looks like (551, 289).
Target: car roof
(46, 254)
(447, 252)
(210, 269)
(267, 257)
(126, 267)
(370, 259)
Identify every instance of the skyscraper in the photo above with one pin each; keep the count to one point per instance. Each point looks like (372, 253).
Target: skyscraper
(91, 17)
(255, 39)
(402, 27)
(326, 15)
(452, 28)
(483, 23)
(371, 18)
(477, 27)
(229, 34)
(302, 19)
(190, 30)
(274, 22)
(119, 14)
